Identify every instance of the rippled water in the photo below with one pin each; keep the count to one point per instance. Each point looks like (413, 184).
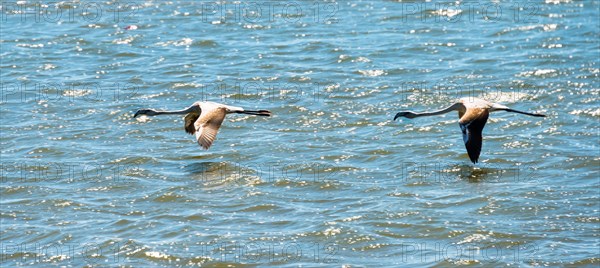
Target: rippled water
(330, 179)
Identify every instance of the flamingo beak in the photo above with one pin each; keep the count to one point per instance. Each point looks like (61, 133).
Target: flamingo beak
(400, 114)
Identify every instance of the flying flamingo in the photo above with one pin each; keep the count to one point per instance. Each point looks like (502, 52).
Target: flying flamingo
(473, 114)
(204, 119)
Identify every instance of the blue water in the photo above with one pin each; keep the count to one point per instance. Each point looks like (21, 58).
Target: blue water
(330, 179)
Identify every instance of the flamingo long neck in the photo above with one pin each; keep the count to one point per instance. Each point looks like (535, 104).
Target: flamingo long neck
(454, 107)
(184, 111)
(172, 112)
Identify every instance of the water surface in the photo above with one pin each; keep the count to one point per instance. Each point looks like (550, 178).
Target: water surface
(330, 179)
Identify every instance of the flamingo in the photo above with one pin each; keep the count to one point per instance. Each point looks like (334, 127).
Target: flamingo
(204, 119)
(473, 114)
